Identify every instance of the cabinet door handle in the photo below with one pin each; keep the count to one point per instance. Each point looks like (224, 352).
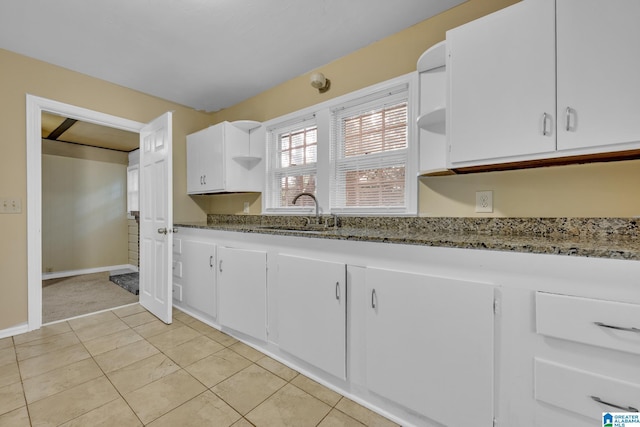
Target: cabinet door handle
(338, 291)
(201, 183)
(568, 117)
(211, 261)
(617, 328)
(625, 409)
(204, 179)
(544, 124)
(220, 266)
(374, 299)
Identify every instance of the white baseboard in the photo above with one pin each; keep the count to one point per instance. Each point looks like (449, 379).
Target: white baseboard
(14, 330)
(69, 273)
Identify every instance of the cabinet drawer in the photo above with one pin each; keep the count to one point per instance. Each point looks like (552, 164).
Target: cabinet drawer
(177, 292)
(177, 245)
(608, 324)
(577, 390)
(177, 269)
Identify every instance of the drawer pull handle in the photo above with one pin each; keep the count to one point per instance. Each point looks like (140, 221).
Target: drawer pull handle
(625, 409)
(617, 328)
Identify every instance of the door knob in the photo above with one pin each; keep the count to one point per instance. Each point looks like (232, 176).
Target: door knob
(162, 231)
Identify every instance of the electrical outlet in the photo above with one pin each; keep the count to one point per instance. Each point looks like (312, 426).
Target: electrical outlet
(484, 201)
(9, 205)
(246, 207)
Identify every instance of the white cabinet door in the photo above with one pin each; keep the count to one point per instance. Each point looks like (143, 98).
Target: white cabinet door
(430, 345)
(205, 160)
(312, 312)
(199, 275)
(501, 71)
(213, 159)
(194, 167)
(598, 68)
(242, 276)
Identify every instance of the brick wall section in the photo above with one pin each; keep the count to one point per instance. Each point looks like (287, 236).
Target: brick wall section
(134, 242)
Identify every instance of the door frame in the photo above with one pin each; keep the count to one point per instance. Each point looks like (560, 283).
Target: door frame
(35, 107)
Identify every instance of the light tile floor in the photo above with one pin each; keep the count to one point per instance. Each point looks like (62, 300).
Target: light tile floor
(126, 368)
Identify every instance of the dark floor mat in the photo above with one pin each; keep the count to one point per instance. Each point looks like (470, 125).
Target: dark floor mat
(128, 281)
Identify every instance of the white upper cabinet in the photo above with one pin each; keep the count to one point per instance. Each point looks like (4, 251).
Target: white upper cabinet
(502, 85)
(431, 118)
(505, 104)
(598, 74)
(221, 158)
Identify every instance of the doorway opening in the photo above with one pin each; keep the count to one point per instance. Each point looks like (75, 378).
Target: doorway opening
(37, 108)
(89, 217)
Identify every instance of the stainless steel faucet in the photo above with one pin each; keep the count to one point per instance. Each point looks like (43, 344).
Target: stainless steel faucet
(295, 199)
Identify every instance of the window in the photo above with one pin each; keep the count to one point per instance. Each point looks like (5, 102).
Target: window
(293, 168)
(133, 193)
(369, 156)
(354, 153)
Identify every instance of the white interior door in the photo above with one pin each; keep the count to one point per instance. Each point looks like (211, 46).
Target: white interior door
(156, 217)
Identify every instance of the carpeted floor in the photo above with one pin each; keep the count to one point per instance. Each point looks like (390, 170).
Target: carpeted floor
(74, 296)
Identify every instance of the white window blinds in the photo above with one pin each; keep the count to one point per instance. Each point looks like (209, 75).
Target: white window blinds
(293, 159)
(369, 154)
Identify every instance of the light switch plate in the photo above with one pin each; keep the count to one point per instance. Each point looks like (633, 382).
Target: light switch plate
(10, 205)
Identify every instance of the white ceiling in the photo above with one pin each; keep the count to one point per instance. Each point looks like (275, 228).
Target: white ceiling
(206, 54)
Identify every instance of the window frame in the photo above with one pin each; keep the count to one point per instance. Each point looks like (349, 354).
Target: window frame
(390, 158)
(322, 114)
(275, 172)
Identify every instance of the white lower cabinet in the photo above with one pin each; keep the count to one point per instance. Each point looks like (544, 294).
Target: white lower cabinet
(194, 275)
(583, 392)
(427, 336)
(588, 360)
(430, 345)
(312, 311)
(242, 276)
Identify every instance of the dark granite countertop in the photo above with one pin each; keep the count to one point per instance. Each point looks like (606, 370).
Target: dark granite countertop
(615, 238)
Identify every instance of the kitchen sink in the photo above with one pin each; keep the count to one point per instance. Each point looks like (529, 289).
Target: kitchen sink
(310, 229)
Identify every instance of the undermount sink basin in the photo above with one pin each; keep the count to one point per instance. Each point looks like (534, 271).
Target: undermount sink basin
(311, 229)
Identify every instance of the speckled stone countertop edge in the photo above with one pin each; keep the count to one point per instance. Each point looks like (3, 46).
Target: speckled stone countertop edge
(614, 238)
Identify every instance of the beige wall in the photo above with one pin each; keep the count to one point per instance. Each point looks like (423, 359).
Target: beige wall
(84, 218)
(589, 190)
(605, 189)
(387, 58)
(20, 76)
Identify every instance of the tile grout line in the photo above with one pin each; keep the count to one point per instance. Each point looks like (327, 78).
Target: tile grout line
(104, 374)
(24, 395)
(199, 333)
